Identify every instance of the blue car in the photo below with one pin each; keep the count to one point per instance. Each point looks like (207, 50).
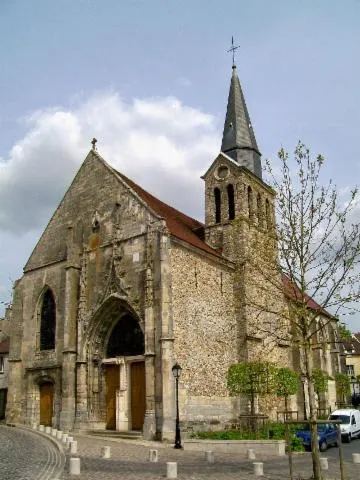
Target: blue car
(327, 435)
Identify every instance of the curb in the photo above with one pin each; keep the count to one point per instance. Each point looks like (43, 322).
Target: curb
(56, 442)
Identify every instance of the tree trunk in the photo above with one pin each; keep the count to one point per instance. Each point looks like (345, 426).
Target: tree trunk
(315, 454)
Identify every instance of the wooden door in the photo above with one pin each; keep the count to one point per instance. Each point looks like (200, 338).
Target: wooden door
(112, 385)
(46, 403)
(137, 395)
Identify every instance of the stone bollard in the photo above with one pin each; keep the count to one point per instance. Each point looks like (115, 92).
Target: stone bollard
(356, 457)
(171, 470)
(34, 427)
(105, 452)
(153, 456)
(64, 437)
(73, 447)
(258, 469)
(41, 428)
(324, 463)
(54, 432)
(209, 456)
(74, 466)
(59, 434)
(250, 454)
(48, 430)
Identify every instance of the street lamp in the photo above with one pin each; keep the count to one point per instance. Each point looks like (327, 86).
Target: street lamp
(176, 371)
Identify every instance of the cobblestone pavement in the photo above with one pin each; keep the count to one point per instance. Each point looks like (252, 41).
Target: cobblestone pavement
(129, 461)
(25, 455)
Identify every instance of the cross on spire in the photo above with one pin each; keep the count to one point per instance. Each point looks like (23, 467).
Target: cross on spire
(232, 49)
(93, 143)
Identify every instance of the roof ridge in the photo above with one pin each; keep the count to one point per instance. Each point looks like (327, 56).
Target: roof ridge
(129, 181)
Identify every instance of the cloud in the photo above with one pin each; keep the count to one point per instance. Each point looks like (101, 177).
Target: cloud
(158, 142)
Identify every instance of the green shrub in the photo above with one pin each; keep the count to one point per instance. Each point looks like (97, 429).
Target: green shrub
(274, 431)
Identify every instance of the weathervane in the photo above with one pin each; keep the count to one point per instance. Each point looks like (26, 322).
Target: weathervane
(232, 49)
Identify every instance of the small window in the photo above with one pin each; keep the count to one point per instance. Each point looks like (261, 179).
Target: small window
(350, 370)
(47, 322)
(250, 201)
(267, 214)
(259, 209)
(230, 192)
(217, 196)
(2, 364)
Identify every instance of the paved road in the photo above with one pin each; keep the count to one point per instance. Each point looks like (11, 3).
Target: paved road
(348, 449)
(25, 455)
(129, 461)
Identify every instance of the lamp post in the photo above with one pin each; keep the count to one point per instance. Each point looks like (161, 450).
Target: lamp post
(176, 371)
(303, 380)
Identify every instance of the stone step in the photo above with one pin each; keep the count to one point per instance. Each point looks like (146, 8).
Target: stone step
(131, 435)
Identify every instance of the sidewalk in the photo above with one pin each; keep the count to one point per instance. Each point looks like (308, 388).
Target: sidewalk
(129, 461)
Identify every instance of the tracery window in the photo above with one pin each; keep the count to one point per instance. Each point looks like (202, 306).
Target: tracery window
(217, 196)
(47, 321)
(231, 202)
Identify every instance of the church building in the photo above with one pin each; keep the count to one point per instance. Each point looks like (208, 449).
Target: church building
(121, 286)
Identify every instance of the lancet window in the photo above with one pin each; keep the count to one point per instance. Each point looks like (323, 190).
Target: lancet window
(47, 321)
(231, 201)
(217, 196)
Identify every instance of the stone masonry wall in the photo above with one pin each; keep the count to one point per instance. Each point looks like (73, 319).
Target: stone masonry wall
(205, 335)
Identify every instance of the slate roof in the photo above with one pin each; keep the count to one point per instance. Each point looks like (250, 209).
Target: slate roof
(238, 131)
(5, 345)
(180, 225)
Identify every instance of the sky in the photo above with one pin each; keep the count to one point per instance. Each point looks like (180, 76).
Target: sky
(149, 80)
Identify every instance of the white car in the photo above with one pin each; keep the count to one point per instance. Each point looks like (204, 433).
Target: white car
(350, 422)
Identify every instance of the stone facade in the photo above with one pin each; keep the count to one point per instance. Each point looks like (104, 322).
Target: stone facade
(121, 286)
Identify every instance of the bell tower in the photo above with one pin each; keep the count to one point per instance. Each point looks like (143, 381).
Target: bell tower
(240, 223)
(237, 200)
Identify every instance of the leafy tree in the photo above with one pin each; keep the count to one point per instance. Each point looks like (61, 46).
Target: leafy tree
(344, 332)
(287, 383)
(343, 389)
(317, 256)
(251, 379)
(320, 380)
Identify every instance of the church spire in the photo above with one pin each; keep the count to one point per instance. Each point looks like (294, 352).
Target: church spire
(239, 140)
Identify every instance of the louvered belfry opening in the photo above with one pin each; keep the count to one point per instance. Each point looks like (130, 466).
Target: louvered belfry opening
(217, 197)
(126, 339)
(48, 322)
(231, 201)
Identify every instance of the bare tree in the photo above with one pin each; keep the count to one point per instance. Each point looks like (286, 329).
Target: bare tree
(307, 272)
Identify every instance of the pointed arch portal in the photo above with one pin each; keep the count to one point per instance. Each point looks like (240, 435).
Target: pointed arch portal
(115, 337)
(126, 338)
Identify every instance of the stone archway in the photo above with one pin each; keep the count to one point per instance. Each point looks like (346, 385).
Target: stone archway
(125, 375)
(114, 340)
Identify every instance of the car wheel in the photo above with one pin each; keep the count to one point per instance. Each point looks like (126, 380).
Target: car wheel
(323, 446)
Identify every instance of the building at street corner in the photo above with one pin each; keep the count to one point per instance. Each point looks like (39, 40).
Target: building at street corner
(120, 286)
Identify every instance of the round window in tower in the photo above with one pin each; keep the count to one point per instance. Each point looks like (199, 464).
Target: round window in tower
(222, 172)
